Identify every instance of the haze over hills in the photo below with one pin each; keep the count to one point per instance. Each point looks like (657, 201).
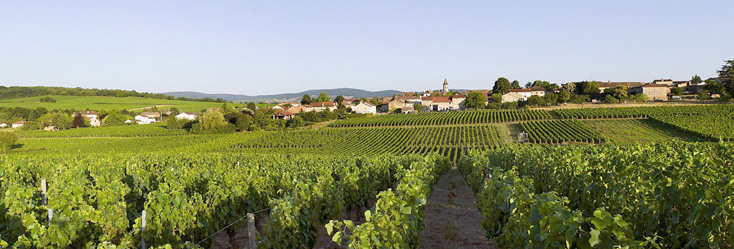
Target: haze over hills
(288, 97)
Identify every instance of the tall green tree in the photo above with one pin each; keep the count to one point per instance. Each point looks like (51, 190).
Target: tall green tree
(339, 100)
(475, 100)
(696, 79)
(323, 97)
(714, 86)
(502, 85)
(727, 73)
(304, 101)
(58, 119)
(564, 96)
(78, 120)
(515, 84)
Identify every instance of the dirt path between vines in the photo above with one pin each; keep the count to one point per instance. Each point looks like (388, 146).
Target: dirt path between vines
(452, 219)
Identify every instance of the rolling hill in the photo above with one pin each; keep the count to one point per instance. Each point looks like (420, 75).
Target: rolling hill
(288, 97)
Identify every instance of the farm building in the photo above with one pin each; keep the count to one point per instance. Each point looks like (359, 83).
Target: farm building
(3, 125)
(17, 124)
(652, 91)
(364, 107)
(186, 115)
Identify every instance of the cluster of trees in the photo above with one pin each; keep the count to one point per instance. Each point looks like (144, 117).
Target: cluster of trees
(33, 91)
(65, 120)
(323, 97)
(47, 99)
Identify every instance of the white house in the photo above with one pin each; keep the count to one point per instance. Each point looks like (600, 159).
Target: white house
(140, 119)
(94, 122)
(18, 124)
(89, 114)
(364, 107)
(516, 95)
(3, 125)
(186, 115)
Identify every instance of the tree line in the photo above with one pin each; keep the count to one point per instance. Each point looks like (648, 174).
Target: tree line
(33, 91)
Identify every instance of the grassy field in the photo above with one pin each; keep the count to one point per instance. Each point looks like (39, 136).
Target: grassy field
(106, 103)
(631, 131)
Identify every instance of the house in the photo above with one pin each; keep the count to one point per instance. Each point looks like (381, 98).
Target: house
(140, 119)
(3, 125)
(437, 103)
(17, 124)
(537, 91)
(684, 84)
(408, 109)
(652, 91)
(665, 82)
(94, 122)
(512, 97)
(457, 102)
(284, 115)
(151, 115)
(515, 95)
(350, 102)
(186, 115)
(364, 107)
(609, 84)
(320, 106)
(396, 103)
(89, 114)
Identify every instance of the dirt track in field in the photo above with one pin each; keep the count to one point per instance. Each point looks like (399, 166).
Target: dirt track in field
(452, 219)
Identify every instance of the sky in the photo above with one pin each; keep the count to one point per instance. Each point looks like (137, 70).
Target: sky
(268, 47)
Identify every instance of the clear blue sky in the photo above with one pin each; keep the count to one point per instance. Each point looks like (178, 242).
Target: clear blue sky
(264, 47)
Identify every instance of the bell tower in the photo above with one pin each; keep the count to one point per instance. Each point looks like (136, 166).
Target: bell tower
(445, 85)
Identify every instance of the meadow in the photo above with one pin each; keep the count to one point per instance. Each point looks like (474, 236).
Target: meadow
(106, 103)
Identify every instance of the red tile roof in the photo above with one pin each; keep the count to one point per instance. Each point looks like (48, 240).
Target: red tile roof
(441, 99)
(519, 90)
(321, 104)
(654, 85)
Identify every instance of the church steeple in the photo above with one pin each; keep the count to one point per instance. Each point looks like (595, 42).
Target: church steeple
(445, 85)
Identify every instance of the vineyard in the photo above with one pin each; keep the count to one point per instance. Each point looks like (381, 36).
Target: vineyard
(595, 178)
(151, 130)
(99, 200)
(671, 195)
(445, 118)
(634, 131)
(560, 131)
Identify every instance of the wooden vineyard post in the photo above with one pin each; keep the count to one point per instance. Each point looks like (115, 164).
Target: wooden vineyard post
(251, 230)
(43, 192)
(142, 229)
(50, 215)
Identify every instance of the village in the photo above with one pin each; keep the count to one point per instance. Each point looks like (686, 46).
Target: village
(534, 94)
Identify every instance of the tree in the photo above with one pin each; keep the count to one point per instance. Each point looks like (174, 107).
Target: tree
(696, 79)
(475, 100)
(417, 107)
(211, 120)
(590, 88)
(641, 97)
(550, 99)
(323, 97)
(7, 140)
(677, 91)
(114, 118)
(502, 85)
(703, 95)
(497, 98)
(304, 101)
(727, 74)
(536, 101)
(714, 86)
(78, 120)
(295, 122)
(617, 92)
(570, 87)
(58, 119)
(515, 84)
(564, 96)
(610, 99)
(339, 100)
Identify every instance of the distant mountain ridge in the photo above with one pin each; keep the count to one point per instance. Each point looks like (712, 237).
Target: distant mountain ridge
(288, 97)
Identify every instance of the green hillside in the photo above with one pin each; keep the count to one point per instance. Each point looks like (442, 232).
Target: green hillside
(107, 103)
